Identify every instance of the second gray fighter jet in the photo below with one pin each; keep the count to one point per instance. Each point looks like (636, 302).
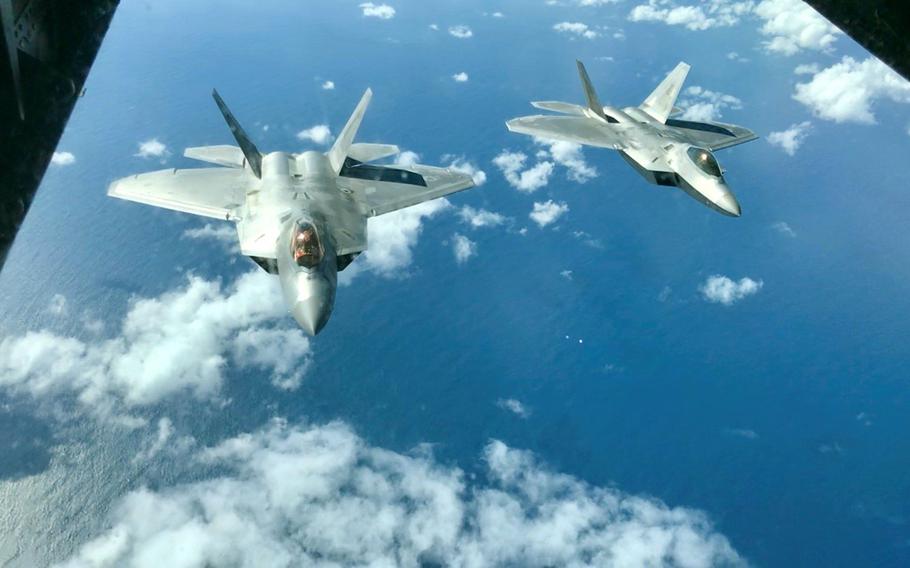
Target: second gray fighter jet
(664, 150)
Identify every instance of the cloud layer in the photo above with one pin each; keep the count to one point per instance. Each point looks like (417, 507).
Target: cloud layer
(177, 344)
(322, 496)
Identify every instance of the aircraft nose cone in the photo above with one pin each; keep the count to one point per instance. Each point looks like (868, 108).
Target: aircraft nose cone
(311, 314)
(729, 205)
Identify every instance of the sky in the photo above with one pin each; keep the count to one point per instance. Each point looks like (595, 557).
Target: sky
(562, 366)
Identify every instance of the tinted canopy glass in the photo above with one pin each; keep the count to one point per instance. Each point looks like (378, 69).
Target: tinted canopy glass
(305, 246)
(705, 161)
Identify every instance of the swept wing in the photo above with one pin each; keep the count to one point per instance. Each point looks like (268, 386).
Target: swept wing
(578, 129)
(209, 192)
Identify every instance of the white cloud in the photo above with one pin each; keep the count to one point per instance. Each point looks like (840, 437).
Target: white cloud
(846, 91)
(392, 237)
(734, 56)
(328, 85)
(283, 351)
(300, 496)
(222, 232)
(576, 28)
(570, 156)
(791, 139)
(152, 148)
(57, 305)
(176, 344)
(463, 248)
(461, 32)
(597, 2)
(381, 11)
(460, 77)
(530, 180)
(164, 441)
(722, 290)
(806, 69)
(784, 229)
(514, 406)
(63, 159)
(567, 274)
(320, 134)
(793, 25)
(478, 218)
(703, 105)
(434, 27)
(460, 164)
(711, 14)
(743, 433)
(407, 158)
(548, 212)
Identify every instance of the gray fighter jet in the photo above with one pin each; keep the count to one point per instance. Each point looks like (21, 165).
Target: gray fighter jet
(300, 216)
(664, 150)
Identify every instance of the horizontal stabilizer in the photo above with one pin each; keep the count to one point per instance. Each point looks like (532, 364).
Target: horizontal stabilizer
(557, 106)
(222, 155)
(659, 103)
(363, 152)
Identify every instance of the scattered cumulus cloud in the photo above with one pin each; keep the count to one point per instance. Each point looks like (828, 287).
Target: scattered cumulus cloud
(846, 91)
(514, 406)
(477, 218)
(512, 164)
(722, 290)
(57, 305)
(462, 165)
(567, 274)
(734, 56)
(806, 69)
(793, 25)
(703, 16)
(223, 233)
(328, 85)
(703, 105)
(407, 159)
(742, 433)
(548, 212)
(461, 32)
(784, 229)
(392, 238)
(177, 344)
(791, 139)
(461, 77)
(577, 29)
(570, 156)
(381, 11)
(463, 248)
(319, 134)
(152, 148)
(63, 159)
(299, 495)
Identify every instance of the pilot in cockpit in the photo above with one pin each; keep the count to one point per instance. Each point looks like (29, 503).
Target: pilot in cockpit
(307, 252)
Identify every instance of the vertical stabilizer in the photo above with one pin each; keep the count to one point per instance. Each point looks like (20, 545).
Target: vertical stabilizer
(590, 93)
(342, 145)
(659, 103)
(250, 152)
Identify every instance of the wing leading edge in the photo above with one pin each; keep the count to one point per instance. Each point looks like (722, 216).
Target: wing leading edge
(209, 192)
(578, 129)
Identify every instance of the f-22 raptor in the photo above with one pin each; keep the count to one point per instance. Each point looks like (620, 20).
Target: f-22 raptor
(300, 216)
(664, 150)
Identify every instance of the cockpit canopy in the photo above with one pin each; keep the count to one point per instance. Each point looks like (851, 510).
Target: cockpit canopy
(705, 161)
(305, 245)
